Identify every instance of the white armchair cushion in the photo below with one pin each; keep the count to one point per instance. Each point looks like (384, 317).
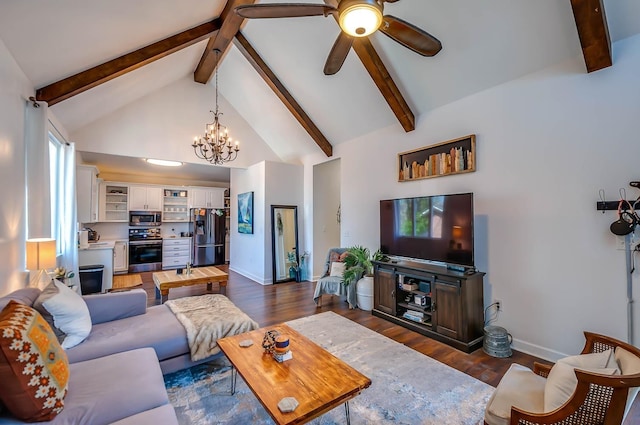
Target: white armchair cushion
(519, 387)
(629, 364)
(562, 380)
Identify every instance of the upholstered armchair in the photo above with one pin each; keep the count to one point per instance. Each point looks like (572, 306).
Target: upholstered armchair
(607, 374)
(333, 285)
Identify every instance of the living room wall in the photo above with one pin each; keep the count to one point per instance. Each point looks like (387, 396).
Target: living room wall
(163, 124)
(546, 144)
(14, 91)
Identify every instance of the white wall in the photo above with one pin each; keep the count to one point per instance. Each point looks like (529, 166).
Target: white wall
(326, 201)
(164, 123)
(15, 88)
(271, 183)
(247, 255)
(284, 186)
(546, 144)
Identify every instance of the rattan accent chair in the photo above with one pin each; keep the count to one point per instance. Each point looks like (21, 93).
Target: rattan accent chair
(598, 399)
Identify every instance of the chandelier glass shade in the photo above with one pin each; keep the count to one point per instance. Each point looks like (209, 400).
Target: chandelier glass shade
(215, 145)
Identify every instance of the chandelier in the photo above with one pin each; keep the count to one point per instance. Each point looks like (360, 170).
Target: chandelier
(215, 146)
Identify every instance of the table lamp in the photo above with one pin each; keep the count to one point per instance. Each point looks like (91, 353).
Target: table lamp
(41, 255)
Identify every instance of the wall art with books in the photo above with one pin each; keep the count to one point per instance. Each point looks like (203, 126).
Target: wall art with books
(443, 159)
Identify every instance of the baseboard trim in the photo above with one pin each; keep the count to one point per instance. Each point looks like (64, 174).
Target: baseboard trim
(537, 350)
(251, 276)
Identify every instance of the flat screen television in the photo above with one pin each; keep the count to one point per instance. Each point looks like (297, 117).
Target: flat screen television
(435, 228)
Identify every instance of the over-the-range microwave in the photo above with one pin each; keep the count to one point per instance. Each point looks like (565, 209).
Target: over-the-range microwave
(145, 218)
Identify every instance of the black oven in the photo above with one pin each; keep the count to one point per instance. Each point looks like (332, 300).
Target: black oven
(145, 218)
(145, 250)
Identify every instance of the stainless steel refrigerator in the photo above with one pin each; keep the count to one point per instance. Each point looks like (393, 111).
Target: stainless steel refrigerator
(208, 230)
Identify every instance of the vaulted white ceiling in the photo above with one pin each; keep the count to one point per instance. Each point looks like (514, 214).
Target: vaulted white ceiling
(484, 43)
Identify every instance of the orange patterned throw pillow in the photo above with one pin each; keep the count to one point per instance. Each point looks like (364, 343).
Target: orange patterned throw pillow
(34, 370)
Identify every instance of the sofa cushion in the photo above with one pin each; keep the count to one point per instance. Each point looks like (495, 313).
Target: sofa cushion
(66, 311)
(34, 370)
(157, 328)
(25, 296)
(111, 388)
(519, 387)
(163, 415)
(562, 380)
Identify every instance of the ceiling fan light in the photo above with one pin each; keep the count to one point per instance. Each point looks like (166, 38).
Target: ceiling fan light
(164, 162)
(360, 19)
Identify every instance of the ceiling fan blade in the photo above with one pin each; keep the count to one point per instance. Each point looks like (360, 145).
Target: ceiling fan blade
(410, 36)
(283, 10)
(390, 1)
(338, 53)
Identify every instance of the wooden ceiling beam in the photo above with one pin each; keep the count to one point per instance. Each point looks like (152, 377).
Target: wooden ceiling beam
(281, 91)
(230, 26)
(85, 80)
(593, 31)
(382, 79)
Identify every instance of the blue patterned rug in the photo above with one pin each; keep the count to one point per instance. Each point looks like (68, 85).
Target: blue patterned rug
(407, 387)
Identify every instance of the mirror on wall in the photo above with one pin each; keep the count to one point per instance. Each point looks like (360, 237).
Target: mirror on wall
(284, 241)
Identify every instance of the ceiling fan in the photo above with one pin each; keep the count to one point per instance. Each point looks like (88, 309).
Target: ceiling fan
(357, 18)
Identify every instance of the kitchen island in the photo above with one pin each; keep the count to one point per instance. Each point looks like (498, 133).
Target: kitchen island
(99, 253)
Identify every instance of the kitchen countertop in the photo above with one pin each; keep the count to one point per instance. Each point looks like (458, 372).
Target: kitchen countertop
(100, 245)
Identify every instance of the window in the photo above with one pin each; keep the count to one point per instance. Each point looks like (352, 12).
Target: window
(420, 217)
(56, 176)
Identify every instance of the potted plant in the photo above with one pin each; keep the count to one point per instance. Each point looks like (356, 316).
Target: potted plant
(359, 267)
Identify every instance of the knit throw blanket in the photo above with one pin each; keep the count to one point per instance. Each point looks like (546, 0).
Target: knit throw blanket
(208, 318)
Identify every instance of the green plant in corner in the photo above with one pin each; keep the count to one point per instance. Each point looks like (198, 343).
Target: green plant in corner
(358, 263)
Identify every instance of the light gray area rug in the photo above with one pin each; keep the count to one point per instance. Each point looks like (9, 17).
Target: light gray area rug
(407, 387)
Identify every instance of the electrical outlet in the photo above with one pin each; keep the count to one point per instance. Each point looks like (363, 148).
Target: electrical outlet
(498, 305)
(620, 243)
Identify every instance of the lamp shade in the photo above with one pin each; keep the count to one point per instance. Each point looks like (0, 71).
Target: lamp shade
(360, 19)
(41, 253)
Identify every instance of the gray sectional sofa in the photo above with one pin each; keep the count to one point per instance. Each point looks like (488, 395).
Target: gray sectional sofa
(116, 372)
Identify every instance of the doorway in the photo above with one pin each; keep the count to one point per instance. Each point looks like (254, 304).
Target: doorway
(326, 212)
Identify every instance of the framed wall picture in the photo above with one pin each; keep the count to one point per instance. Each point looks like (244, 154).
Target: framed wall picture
(245, 212)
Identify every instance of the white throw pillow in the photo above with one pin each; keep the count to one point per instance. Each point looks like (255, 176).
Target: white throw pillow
(337, 269)
(71, 318)
(562, 380)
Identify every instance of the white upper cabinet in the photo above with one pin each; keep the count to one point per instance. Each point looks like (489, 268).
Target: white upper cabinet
(210, 197)
(87, 193)
(145, 198)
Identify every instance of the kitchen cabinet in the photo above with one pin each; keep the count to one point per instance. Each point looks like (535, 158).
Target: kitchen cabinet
(145, 198)
(87, 193)
(175, 205)
(114, 203)
(103, 255)
(121, 257)
(176, 253)
(209, 197)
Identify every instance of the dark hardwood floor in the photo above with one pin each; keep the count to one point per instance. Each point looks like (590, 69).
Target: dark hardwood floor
(273, 304)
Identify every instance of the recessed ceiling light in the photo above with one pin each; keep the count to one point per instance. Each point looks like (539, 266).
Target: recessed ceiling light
(163, 162)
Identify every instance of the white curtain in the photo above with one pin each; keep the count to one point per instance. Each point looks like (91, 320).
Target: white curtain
(68, 213)
(37, 171)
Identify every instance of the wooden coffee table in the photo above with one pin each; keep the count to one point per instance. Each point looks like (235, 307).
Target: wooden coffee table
(316, 378)
(171, 279)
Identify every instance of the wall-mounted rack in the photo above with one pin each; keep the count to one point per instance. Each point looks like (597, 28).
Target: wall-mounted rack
(611, 205)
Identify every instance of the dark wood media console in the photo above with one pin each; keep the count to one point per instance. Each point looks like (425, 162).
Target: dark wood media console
(442, 304)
